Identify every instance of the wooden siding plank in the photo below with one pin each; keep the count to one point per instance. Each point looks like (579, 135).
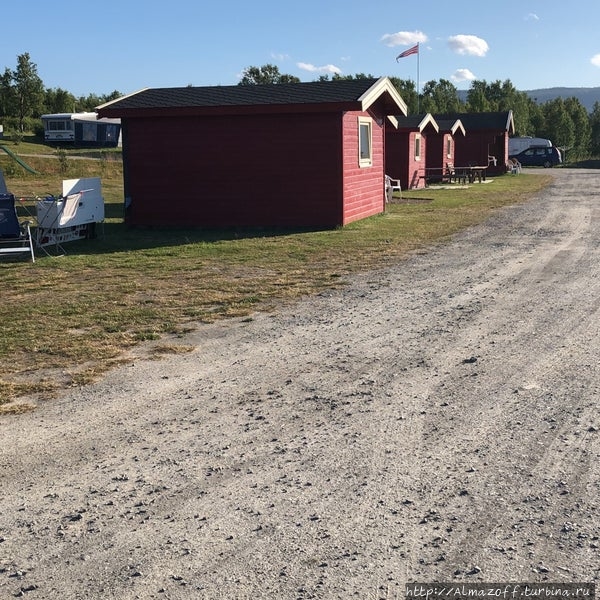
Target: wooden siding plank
(363, 186)
(266, 170)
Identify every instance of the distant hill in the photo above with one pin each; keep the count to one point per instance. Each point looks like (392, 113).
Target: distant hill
(587, 96)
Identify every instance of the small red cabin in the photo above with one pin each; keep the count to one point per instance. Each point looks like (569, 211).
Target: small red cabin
(441, 146)
(486, 139)
(298, 154)
(406, 148)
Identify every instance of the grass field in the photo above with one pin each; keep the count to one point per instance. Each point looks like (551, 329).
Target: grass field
(67, 319)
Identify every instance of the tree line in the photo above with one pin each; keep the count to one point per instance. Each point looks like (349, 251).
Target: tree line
(24, 98)
(564, 121)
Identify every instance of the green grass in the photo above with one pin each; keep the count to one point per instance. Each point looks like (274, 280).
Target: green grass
(66, 320)
(31, 144)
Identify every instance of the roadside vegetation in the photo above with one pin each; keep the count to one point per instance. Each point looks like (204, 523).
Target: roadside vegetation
(70, 316)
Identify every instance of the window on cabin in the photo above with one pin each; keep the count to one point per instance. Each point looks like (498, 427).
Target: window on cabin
(365, 142)
(418, 146)
(448, 147)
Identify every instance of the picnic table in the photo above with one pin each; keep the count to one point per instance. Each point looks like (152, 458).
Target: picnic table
(439, 174)
(450, 174)
(474, 172)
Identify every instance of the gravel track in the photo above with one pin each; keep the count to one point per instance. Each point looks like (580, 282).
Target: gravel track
(436, 420)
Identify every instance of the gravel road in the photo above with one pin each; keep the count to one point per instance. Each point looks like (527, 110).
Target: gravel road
(433, 421)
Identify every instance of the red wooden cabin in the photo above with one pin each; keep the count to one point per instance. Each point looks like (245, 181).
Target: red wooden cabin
(441, 146)
(406, 148)
(486, 139)
(301, 154)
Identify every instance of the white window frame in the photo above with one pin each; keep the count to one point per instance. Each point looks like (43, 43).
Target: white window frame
(448, 146)
(418, 148)
(365, 158)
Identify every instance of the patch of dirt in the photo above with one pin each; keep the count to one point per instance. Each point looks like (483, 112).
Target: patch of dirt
(436, 420)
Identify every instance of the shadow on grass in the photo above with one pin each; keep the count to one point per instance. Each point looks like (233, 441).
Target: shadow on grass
(113, 238)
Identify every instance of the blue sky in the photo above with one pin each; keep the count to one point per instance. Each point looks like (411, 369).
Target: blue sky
(126, 45)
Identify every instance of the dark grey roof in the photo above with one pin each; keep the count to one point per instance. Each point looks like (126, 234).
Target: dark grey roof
(499, 121)
(416, 122)
(410, 121)
(318, 92)
(446, 124)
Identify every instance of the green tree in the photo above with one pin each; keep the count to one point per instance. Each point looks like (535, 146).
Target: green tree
(28, 89)
(595, 130)
(522, 107)
(265, 75)
(582, 128)
(559, 125)
(338, 76)
(91, 101)
(7, 94)
(477, 97)
(537, 119)
(57, 100)
(440, 97)
(408, 90)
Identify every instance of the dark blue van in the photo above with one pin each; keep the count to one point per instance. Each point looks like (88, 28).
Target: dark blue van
(539, 156)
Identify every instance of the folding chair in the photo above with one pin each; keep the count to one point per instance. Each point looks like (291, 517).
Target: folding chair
(15, 237)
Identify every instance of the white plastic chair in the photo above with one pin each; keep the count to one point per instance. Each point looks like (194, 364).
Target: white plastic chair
(391, 186)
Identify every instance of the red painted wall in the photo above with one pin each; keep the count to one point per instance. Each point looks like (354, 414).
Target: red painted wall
(476, 146)
(234, 171)
(400, 157)
(363, 187)
(250, 171)
(437, 155)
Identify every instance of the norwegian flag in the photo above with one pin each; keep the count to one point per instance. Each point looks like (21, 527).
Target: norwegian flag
(413, 50)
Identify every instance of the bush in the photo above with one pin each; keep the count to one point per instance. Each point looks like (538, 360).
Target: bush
(63, 160)
(30, 125)
(38, 130)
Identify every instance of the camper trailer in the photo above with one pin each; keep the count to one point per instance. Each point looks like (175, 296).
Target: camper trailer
(82, 129)
(516, 145)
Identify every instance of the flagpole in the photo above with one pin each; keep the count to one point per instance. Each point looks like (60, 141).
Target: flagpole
(418, 59)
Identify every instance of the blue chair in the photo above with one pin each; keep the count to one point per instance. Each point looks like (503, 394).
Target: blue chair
(15, 237)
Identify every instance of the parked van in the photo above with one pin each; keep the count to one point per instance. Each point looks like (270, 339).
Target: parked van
(516, 145)
(539, 156)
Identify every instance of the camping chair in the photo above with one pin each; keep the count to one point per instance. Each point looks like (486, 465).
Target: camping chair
(514, 166)
(391, 186)
(15, 237)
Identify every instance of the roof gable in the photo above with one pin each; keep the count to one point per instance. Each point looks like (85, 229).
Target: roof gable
(343, 94)
(418, 123)
(452, 126)
(497, 121)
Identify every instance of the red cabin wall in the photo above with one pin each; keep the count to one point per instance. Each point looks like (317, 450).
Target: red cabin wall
(263, 170)
(400, 158)
(437, 156)
(476, 146)
(251, 171)
(363, 187)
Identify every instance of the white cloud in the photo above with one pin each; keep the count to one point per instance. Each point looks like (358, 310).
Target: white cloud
(403, 38)
(330, 69)
(595, 60)
(461, 75)
(280, 57)
(468, 44)
(532, 17)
